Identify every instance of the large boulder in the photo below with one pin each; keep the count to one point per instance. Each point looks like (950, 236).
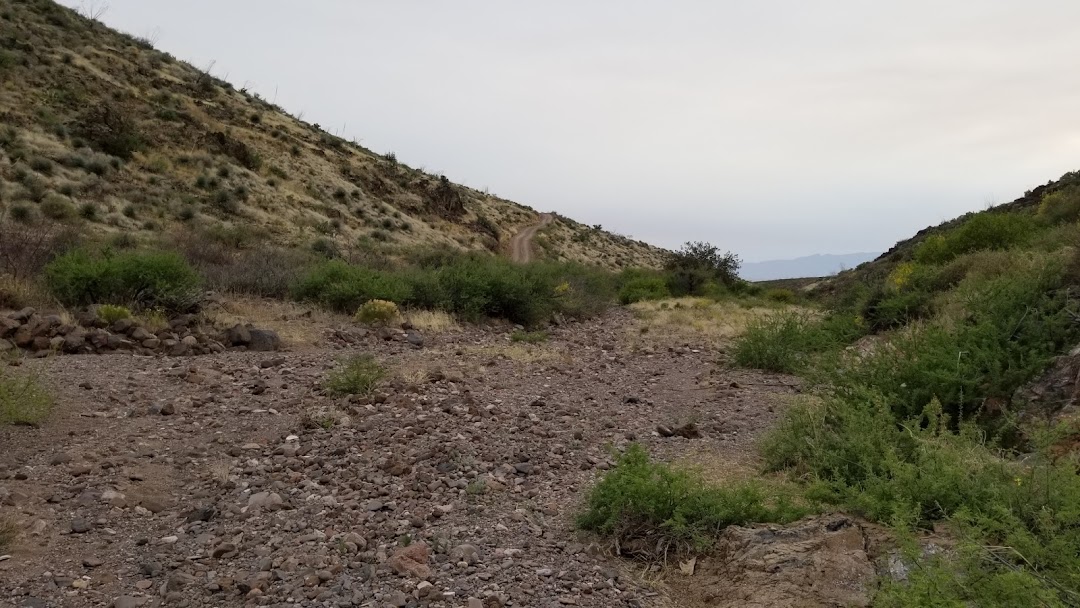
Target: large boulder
(238, 335)
(263, 340)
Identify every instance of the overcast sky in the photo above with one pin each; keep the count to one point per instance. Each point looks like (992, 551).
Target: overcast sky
(774, 128)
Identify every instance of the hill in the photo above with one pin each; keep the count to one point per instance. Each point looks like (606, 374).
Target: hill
(818, 265)
(104, 131)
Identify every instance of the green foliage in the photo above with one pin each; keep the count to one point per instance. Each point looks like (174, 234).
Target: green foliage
(111, 313)
(639, 289)
(979, 232)
(340, 286)
(1002, 332)
(148, 280)
(692, 268)
(358, 375)
(783, 296)
(1061, 206)
(785, 341)
(471, 287)
(23, 400)
(639, 498)
(529, 337)
(1016, 521)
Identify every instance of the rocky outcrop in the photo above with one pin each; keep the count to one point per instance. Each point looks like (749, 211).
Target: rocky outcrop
(87, 333)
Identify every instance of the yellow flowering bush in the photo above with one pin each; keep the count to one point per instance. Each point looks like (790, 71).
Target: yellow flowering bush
(377, 311)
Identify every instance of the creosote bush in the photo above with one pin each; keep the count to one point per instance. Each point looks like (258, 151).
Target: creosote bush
(358, 375)
(146, 280)
(471, 287)
(674, 509)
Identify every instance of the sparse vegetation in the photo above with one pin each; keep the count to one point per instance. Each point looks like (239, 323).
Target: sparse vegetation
(529, 337)
(358, 375)
(674, 510)
(23, 400)
(111, 313)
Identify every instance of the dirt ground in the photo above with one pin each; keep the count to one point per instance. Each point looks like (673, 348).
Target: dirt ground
(235, 479)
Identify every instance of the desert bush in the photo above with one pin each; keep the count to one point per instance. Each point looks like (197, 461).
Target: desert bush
(471, 287)
(1015, 521)
(643, 288)
(377, 311)
(23, 400)
(674, 509)
(147, 280)
(358, 375)
(529, 337)
(26, 249)
(111, 313)
(110, 129)
(783, 342)
(1061, 206)
(344, 288)
(698, 264)
(783, 296)
(57, 207)
(979, 232)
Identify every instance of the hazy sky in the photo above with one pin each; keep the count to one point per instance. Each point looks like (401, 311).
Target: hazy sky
(774, 128)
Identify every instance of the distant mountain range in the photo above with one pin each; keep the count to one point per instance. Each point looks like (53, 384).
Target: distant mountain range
(819, 265)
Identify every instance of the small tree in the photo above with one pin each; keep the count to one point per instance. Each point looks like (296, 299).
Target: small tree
(697, 264)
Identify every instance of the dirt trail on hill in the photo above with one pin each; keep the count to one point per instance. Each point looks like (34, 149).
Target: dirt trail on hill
(234, 478)
(521, 243)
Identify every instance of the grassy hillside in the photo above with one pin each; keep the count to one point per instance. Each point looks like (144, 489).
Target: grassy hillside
(103, 132)
(920, 369)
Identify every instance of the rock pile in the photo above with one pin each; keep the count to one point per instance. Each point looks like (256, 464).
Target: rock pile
(87, 333)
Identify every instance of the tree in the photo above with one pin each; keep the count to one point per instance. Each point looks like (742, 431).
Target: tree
(697, 264)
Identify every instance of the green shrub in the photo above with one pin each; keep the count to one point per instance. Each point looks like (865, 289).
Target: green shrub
(784, 296)
(359, 375)
(643, 288)
(783, 342)
(23, 400)
(344, 288)
(1061, 206)
(529, 337)
(471, 287)
(111, 313)
(979, 232)
(1016, 522)
(675, 509)
(148, 280)
(110, 129)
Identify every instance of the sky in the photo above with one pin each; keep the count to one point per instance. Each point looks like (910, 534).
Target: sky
(772, 128)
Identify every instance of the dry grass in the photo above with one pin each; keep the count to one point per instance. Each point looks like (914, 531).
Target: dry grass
(9, 531)
(691, 320)
(297, 325)
(434, 321)
(518, 353)
(16, 294)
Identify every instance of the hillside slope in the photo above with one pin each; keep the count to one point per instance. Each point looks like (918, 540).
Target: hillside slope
(874, 273)
(100, 128)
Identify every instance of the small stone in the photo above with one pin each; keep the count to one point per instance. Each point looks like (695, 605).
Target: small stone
(92, 562)
(79, 525)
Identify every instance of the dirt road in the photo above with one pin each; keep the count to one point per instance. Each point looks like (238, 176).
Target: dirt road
(521, 243)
